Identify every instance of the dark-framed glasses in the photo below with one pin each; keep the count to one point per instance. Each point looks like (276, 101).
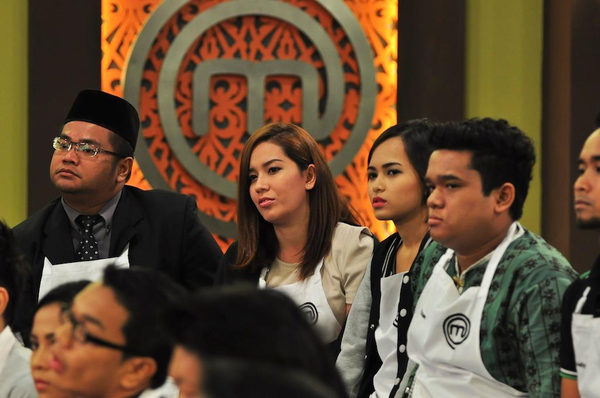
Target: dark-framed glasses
(79, 334)
(85, 149)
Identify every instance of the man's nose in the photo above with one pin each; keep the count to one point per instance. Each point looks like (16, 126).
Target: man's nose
(64, 334)
(71, 155)
(434, 199)
(581, 183)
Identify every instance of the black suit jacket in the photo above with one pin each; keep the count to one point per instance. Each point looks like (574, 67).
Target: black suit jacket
(162, 228)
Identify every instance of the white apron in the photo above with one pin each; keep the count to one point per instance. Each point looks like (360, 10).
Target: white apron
(310, 297)
(168, 390)
(386, 334)
(59, 274)
(443, 337)
(585, 330)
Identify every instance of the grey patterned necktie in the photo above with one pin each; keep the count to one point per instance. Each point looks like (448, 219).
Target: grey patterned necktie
(88, 247)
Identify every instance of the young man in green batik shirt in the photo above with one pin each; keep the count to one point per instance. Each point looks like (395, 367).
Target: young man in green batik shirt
(488, 292)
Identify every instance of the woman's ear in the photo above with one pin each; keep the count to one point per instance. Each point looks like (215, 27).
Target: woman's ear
(311, 176)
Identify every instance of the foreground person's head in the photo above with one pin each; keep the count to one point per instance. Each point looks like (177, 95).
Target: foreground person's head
(226, 378)
(111, 343)
(262, 326)
(46, 320)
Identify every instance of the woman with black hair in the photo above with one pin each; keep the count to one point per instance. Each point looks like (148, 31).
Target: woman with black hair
(373, 357)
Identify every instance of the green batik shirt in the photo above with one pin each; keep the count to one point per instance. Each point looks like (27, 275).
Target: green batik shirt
(520, 326)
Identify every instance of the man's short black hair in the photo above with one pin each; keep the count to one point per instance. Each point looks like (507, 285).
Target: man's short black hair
(144, 293)
(501, 153)
(14, 271)
(261, 325)
(63, 294)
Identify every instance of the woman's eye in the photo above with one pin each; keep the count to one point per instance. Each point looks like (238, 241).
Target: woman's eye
(371, 176)
(273, 170)
(252, 178)
(393, 172)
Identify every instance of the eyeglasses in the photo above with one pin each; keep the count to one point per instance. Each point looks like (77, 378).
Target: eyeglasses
(79, 334)
(84, 148)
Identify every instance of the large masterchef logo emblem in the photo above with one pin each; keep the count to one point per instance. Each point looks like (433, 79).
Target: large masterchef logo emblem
(204, 75)
(456, 329)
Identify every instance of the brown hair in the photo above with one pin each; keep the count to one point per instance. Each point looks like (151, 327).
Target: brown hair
(257, 244)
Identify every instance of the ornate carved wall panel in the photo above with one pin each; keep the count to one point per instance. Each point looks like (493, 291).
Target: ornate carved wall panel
(205, 74)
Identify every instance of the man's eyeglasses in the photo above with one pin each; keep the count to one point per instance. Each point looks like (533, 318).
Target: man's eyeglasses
(79, 334)
(86, 149)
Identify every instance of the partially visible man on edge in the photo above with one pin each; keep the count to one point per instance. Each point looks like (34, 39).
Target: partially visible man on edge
(15, 376)
(111, 342)
(99, 220)
(580, 336)
(488, 292)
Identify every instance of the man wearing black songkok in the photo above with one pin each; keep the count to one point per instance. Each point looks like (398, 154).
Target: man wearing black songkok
(99, 220)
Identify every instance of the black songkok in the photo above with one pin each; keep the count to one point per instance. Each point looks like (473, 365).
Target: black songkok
(108, 111)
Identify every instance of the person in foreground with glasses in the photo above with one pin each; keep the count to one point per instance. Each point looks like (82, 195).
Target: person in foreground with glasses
(111, 343)
(15, 379)
(99, 220)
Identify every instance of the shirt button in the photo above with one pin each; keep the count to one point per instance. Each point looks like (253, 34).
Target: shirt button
(403, 312)
(372, 326)
(366, 356)
(397, 381)
(402, 348)
(405, 279)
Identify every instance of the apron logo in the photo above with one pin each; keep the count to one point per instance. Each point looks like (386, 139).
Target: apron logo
(456, 329)
(310, 312)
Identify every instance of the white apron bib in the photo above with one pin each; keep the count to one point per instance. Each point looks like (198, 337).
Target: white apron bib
(585, 330)
(386, 334)
(443, 337)
(310, 297)
(59, 274)
(168, 390)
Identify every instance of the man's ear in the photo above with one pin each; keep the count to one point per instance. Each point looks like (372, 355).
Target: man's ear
(3, 302)
(124, 169)
(138, 373)
(504, 196)
(311, 177)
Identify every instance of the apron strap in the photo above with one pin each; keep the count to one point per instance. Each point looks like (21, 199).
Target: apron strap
(582, 301)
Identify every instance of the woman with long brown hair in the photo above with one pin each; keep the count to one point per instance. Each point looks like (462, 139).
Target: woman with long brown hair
(296, 232)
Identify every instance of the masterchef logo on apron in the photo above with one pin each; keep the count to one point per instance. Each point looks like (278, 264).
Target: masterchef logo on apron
(456, 329)
(310, 312)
